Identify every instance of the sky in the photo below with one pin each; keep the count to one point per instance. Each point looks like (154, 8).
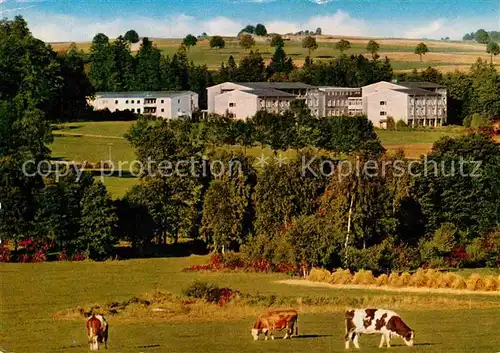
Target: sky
(80, 20)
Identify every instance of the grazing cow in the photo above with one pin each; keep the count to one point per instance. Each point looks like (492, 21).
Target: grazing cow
(371, 321)
(97, 331)
(276, 320)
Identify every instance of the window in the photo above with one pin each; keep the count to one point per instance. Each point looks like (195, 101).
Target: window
(116, 110)
(138, 102)
(179, 102)
(383, 113)
(126, 102)
(162, 101)
(232, 104)
(116, 101)
(383, 103)
(133, 110)
(162, 110)
(132, 101)
(138, 111)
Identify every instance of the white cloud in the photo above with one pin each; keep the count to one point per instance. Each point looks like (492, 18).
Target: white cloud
(65, 28)
(30, 1)
(339, 23)
(454, 28)
(426, 31)
(322, 2)
(15, 9)
(58, 27)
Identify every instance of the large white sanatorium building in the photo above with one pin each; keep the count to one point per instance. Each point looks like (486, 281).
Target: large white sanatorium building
(416, 103)
(161, 104)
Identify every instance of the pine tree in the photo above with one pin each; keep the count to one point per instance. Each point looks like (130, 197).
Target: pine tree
(101, 62)
(148, 67)
(280, 63)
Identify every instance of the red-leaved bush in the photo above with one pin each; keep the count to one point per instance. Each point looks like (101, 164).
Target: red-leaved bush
(234, 261)
(457, 257)
(5, 255)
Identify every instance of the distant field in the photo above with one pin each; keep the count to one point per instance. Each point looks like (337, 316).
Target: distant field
(98, 141)
(32, 293)
(446, 54)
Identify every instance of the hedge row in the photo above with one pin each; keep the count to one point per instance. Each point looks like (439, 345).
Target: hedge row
(419, 279)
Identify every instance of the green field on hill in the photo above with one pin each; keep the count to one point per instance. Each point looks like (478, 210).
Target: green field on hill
(97, 141)
(32, 293)
(445, 55)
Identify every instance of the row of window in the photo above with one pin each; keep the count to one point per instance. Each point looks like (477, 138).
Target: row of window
(146, 101)
(342, 93)
(337, 102)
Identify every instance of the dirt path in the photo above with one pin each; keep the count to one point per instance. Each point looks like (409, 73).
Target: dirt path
(306, 283)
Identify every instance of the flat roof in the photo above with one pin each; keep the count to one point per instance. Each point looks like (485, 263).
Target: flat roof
(152, 94)
(340, 88)
(268, 93)
(419, 84)
(416, 91)
(275, 85)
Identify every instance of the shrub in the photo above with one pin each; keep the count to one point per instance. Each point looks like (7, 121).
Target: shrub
(485, 250)
(390, 124)
(401, 125)
(209, 292)
(362, 259)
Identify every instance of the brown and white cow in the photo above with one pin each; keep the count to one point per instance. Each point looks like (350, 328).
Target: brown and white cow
(97, 331)
(276, 320)
(373, 321)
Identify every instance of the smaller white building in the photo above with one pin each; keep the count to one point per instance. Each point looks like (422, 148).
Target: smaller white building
(161, 104)
(416, 103)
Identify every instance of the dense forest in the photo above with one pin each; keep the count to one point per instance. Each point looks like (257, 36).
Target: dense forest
(325, 215)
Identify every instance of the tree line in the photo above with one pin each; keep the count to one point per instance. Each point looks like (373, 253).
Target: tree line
(326, 214)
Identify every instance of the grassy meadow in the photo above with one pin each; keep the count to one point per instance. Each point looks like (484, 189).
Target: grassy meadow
(448, 55)
(32, 293)
(98, 141)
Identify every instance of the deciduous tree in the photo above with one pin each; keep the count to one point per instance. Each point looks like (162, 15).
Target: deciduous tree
(421, 49)
(310, 44)
(246, 41)
(493, 49)
(342, 45)
(190, 41)
(373, 48)
(131, 36)
(217, 42)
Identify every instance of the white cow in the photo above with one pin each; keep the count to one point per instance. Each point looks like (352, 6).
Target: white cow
(376, 321)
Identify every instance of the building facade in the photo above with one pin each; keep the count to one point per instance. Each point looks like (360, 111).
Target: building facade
(416, 103)
(335, 101)
(244, 100)
(161, 104)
